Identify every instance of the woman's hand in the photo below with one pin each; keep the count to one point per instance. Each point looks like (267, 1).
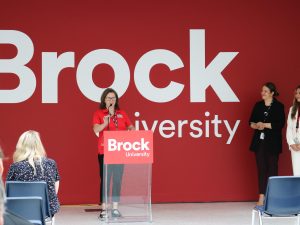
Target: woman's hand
(100, 127)
(295, 147)
(106, 120)
(111, 110)
(253, 125)
(260, 126)
(257, 126)
(131, 127)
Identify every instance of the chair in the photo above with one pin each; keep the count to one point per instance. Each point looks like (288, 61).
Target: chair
(282, 199)
(29, 208)
(32, 188)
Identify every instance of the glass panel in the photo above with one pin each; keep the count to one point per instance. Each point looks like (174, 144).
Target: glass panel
(129, 191)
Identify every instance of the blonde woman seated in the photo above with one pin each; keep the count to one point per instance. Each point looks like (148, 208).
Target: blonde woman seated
(31, 164)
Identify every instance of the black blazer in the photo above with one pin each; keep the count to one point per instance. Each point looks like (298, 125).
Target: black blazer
(273, 137)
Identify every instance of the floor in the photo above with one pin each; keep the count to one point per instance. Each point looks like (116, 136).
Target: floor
(236, 213)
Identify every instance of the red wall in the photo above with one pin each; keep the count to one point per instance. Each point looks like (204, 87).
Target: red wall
(264, 33)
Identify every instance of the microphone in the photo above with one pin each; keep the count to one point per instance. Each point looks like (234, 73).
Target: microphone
(110, 105)
(109, 115)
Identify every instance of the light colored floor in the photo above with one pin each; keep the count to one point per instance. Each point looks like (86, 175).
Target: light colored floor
(233, 213)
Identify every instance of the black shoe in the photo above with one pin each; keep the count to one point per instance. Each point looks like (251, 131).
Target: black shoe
(103, 214)
(115, 213)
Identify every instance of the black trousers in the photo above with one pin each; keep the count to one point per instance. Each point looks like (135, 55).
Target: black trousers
(114, 179)
(267, 166)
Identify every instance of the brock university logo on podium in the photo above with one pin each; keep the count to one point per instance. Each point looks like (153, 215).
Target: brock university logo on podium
(128, 158)
(128, 147)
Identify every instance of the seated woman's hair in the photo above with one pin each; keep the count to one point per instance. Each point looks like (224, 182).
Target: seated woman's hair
(30, 147)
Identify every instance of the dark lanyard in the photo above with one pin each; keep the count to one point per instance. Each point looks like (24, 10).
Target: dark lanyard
(297, 122)
(115, 119)
(266, 113)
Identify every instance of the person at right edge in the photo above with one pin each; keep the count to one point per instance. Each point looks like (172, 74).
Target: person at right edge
(267, 120)
(293, 132)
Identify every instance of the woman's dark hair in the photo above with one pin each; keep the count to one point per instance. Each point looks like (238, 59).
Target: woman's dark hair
(272, 88)
(296, 105)
(103, 96)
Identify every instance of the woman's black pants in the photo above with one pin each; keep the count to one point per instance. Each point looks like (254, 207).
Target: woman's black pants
(114, 176)
(267, 166)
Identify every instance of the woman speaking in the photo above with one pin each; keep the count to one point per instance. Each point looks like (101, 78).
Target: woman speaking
(109, 117)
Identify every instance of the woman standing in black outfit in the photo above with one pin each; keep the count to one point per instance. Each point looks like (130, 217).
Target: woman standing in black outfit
(267, 120)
